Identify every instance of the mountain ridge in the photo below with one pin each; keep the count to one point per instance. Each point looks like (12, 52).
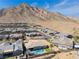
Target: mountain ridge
(27, 14)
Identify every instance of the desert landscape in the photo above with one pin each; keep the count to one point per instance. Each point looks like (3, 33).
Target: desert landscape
(25, 13)
(28, 32)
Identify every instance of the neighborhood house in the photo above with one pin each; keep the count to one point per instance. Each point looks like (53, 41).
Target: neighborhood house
(38, 47)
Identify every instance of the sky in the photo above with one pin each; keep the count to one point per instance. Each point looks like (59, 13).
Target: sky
(66, 7)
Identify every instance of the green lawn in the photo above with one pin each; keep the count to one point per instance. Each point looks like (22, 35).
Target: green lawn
(8, 40)
(11, 58)
(48, 50)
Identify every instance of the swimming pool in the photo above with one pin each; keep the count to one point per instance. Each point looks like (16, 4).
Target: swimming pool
(38, 52)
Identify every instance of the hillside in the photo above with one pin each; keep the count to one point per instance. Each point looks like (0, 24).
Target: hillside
(75, 18)
(27, 14)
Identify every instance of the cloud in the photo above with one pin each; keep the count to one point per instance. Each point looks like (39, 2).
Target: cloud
(46, 6)
(72, 10)
(34, 4)
(66, 7)
(61, 3)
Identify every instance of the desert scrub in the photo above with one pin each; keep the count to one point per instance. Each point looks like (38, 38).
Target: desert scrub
(76, 38)
(48, 50)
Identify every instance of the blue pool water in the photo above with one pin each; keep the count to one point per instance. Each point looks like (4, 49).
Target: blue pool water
(38, 52)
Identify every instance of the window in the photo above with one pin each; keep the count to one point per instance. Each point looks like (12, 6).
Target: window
(8, 54)
(38, 48)
(69, 36)
(31, 49)
(52, 34)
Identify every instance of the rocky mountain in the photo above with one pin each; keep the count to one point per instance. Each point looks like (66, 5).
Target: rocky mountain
(76, 18)
(27, 14)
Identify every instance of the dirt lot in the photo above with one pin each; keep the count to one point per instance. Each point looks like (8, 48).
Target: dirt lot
(63, 55)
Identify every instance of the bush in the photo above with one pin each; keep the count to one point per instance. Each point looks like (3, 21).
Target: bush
(76, 38)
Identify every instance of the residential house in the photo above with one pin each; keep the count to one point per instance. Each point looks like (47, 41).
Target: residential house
(63, 42)
(11, 49)
(16, 35)
(37, 47)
